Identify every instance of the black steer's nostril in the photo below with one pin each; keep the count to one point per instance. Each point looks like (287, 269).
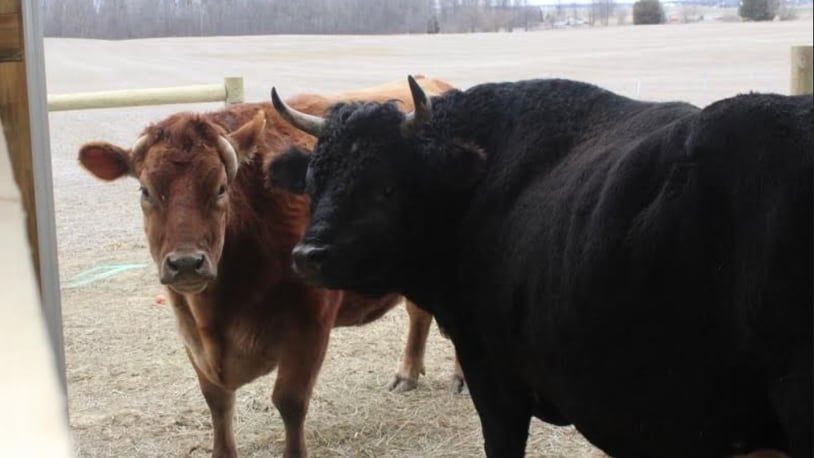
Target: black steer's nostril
(307, 258)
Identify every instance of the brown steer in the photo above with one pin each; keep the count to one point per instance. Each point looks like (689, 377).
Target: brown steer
(222, 236)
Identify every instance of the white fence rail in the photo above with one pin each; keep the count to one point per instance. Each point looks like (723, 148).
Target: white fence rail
(230, 92)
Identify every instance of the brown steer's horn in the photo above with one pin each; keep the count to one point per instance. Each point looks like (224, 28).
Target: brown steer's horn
(303, 121)
(140, 144)
(229, 157)
(422, 111)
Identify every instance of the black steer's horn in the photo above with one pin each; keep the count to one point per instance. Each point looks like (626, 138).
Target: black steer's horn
(423, 108)
(305, 122)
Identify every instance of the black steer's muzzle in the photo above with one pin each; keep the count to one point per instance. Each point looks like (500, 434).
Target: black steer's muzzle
(336, 266)
(308, 260)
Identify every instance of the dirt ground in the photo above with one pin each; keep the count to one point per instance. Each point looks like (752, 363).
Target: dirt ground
(133, 393)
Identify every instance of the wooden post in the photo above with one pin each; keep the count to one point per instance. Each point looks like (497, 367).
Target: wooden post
(14, 112)
(234, 90)
(22, 105)
(11, 46)
(802, 77)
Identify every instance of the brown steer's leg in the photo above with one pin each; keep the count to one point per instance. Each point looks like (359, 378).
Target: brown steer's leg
(221, 404)
(412, 363)
(301, 357)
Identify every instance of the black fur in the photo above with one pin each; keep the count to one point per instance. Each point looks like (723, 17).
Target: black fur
(641, 270)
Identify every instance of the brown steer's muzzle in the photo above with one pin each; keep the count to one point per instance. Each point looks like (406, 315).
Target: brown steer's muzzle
(187, 272)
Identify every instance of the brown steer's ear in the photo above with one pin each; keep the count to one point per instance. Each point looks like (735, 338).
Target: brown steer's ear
(248, 139)
(104, 160)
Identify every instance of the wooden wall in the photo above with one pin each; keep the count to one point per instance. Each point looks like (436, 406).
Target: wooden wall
(23, 102)
(14, 112)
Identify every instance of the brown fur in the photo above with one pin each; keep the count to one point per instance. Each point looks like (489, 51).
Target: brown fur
(254, 313)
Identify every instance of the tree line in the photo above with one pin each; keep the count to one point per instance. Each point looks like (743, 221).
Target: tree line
(121, 19)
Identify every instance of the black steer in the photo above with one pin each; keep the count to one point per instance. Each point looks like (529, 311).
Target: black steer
(641, 270)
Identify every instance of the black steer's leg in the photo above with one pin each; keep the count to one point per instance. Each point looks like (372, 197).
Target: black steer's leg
(505, 430)
(792, 399)
(504, 407)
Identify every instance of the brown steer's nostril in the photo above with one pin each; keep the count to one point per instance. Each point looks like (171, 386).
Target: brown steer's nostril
(187, 265)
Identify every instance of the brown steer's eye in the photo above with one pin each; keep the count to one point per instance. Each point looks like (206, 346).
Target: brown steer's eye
(145, 194)
(222, 191)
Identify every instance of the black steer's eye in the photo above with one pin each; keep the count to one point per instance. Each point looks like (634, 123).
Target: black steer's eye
(384, 194)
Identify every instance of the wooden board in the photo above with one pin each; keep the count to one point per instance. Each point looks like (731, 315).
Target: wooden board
(14, 112)
(11, 47)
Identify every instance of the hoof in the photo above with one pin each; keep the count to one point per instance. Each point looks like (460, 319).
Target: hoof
(458, 385)
(295, 454)
(403, 384)
(231, 453)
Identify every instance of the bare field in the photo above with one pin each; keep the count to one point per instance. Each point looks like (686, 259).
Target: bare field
(132, 392)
